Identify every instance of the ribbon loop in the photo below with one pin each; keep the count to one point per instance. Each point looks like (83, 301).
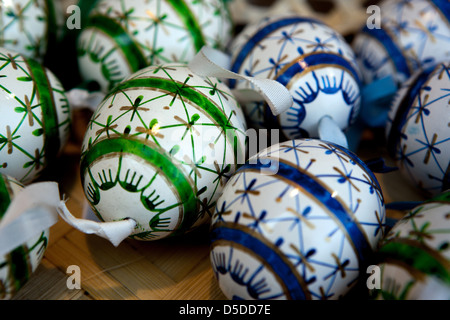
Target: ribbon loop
(330, 131)
(115, 231)
(30, 212)
(211, 62)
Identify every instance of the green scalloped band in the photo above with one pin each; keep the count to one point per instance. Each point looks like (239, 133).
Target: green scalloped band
(158, 159)
(126, 44)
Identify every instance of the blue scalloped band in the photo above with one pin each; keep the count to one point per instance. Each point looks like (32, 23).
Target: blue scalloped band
(272, 258)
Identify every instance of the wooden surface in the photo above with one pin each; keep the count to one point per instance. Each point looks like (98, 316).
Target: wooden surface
(174, 269)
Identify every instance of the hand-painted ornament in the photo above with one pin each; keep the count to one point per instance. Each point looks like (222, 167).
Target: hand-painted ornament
(415, 256)
(298, 221)
(418, 132)
(28, 26)
(35, 117)
(159, 149)
(17, 266)
(312, 60)
(122, 37)
(411, 34)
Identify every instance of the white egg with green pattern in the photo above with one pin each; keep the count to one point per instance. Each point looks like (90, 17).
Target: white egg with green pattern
(159, 149)
(35, 121)
(122, 37)
(18, 265)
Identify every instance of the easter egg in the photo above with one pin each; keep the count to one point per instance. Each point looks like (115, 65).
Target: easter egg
(159, 149)
(17, 266)
(35, 119)
(410, 34)
(417, 130)
(28, 26)
(312, 60)
(121, 37)
(415, 256)
(299, 221)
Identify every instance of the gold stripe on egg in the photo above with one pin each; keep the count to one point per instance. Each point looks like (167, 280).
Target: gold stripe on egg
(319, 203)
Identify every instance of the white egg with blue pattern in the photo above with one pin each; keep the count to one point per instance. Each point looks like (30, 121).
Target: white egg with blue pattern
(299, 220)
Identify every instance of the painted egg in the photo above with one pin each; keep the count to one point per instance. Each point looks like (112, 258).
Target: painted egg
(159, 149)
(122, 37)
(35, 119)
(312, 60)
(410, 34)
(28, 26)
(298, 221)
(17, 266)
(417, 130)
(415, 256)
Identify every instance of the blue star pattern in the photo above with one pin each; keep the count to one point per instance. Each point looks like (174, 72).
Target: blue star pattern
(312, 60)
(412, 33)
(297, 221)
(418, 129)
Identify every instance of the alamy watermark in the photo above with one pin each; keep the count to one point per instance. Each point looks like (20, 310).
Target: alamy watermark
(74, 19)
(73, 281)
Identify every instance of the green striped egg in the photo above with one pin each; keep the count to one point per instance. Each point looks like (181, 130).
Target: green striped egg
(30, 26)
(159, 149)
(121, 37)
(17, 266)
(35, 121)
(415, 256)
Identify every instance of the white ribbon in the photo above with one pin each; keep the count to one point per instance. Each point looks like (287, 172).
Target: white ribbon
(36, 208)
(115, 231)
(330, 131)
(31, 211)
(83, 99)
(209, 62)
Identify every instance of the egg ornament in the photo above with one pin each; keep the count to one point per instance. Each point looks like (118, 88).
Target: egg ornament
(417, 130)
(410, 34)
(299, 220)
(29, 26)
(18, 265)
(35, 121)
(159, 148)
(415, 257)
(121, 37)
(310, 59)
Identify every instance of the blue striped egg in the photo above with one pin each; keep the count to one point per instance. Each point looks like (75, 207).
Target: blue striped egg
(308, 57)
(410, 35)
(299, 220)
(159, 149)
(18, 265)
(417, 131)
